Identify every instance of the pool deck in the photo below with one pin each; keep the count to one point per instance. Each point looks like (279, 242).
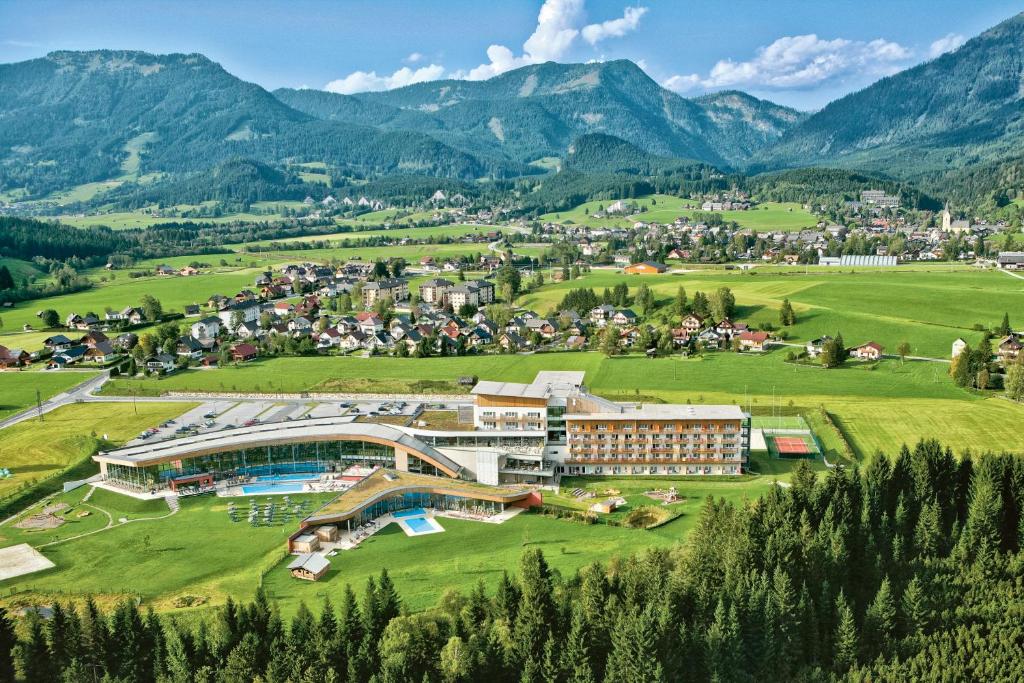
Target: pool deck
(348, 540)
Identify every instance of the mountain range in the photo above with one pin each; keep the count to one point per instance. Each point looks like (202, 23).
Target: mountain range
(75, 117)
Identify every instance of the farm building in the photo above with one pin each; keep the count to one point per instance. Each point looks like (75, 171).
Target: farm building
(1011, 260)
(645, 268)
(306, 543)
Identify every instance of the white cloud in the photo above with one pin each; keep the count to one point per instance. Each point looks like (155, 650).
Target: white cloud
(947, 43)
(801, 62)
(614, 28)
(559, 24)
(367, 81)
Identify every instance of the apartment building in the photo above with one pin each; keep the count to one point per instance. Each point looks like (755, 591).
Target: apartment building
(474, 293)
(433, 291)
(396, 288)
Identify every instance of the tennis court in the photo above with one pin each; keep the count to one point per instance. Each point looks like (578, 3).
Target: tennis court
(791, 445)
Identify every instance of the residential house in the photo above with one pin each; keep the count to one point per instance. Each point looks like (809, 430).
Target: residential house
(815, 346)
(300, 325)
(958, 346)
(1009, 348)
(599, 315)
(162, 362)
(693, 323)
(710, 339)
(58, 342)
(101, 352)
(752, 341)
(511, 341)
(13, 358)
(190, 347)
(545, 327)
(869, 351)
(249, 311)
(624, 317)
(207, 328)
(244, 352)
(93, 338)
(192, 310)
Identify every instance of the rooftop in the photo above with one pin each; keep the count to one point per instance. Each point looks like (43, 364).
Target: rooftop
(657, 411)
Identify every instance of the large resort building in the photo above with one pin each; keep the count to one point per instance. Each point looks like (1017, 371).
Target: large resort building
(518, 434)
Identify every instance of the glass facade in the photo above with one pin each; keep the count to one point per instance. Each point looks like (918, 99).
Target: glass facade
(437, 501)
(315, 457)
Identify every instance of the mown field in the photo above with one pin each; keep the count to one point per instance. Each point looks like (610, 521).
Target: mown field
(770, 216)
(926, 306)
(68, 435)
(18, 389)
(891, 403)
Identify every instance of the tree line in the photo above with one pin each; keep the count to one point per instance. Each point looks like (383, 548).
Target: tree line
(907, 569)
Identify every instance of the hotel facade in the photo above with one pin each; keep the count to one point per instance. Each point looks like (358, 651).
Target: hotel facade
(518, 434)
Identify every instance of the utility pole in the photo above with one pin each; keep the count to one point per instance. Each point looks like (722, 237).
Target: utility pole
(39, 406)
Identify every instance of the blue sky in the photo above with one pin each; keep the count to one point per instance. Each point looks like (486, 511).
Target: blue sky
(802, 53)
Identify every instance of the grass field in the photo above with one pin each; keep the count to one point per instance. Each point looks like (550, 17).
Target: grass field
(18, 389)
(200, 552)
(72, 433)
(770, 216)
(453, 231)
(929, 307)
(892, 403)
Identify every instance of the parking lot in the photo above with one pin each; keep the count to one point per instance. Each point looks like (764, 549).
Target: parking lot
(227, 414)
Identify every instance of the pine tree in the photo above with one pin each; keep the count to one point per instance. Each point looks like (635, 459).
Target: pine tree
(33, 653)
(8, 639)
(787, 316)
(880, 620)
(389, 603)
(928, 532)
(681, 303)
(1004, 327)
(576, 653)
(845, 641)
(610, 341)
(914, 608)
(537, 612)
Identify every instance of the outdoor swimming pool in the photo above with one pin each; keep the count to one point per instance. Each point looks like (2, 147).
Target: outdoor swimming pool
(271, 478)
(256, 489)
(414, 512)
(420, 525)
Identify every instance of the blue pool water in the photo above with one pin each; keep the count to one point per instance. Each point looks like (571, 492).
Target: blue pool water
(420, 525)
(251, 489)
(415, 512)
(271, 478)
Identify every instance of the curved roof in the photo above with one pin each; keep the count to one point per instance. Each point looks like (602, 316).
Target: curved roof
(299, 431)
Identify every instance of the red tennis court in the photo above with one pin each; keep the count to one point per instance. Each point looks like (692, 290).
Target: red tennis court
(792, 445)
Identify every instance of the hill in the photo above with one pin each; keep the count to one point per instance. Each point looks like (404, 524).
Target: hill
(537, 111)
(960, 109)
(74, 117)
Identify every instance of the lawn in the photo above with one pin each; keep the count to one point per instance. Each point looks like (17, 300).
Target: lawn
(426, 233)
(928, 307)
(874, 396)
(71, 434)
(18, 389)
(770, 216)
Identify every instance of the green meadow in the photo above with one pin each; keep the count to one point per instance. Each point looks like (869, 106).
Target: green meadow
(660, 208)
(18, 389)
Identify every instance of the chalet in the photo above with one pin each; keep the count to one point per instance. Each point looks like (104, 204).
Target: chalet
(815, 346)
(13, 358)
(72, 355)
(709, 339)
(370, 323)
(126, 341)
(93, 338)
(680, 336)
(328, 338)
(726, 328)
(188, 271)
(575, 342)
(869, 351)
(601, 314)
(645, 268)
(248, 330)
(543, 326)
(130, 314)
(752, 341)
(58, 342)
(511, 341)
(300, 325)
(163, 362)
(190, 347)
(624, 317)
(101, 352)
(1009, 348)
(693, 323)
(244, 352)
(165, 269)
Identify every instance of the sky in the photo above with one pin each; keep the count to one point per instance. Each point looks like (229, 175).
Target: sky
(801, 53)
